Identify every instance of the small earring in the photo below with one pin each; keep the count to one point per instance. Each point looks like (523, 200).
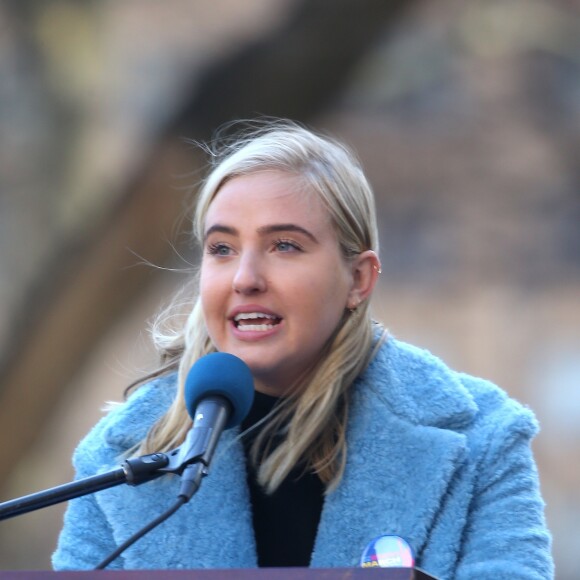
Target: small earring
(378, 269)
(353, 309)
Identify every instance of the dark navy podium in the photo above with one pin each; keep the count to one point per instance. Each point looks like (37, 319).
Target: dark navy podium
(229, 574)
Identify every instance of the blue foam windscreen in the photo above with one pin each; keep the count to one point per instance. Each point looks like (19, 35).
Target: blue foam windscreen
(222, 374)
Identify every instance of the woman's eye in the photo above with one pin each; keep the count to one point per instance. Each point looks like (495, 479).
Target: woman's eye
(219, 249)
(287, 246)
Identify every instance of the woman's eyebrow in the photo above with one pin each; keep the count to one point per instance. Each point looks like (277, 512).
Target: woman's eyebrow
(220, 229)
(264, 230)
(287, 228)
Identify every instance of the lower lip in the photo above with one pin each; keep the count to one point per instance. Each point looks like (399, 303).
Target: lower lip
(255, 335)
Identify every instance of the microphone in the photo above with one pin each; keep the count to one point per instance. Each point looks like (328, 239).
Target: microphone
(219, 391)
(387, 552)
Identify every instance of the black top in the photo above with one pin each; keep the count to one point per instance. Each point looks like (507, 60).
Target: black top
(286, 521)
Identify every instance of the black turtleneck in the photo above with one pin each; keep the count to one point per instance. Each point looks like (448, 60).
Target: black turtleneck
(286, 521)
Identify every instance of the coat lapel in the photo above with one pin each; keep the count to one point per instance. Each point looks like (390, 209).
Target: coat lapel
(393, 484)
(400, 459)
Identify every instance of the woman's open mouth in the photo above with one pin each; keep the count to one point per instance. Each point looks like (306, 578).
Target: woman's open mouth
(255, 321)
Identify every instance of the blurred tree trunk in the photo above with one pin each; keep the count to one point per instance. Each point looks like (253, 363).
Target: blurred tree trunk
(295, 72)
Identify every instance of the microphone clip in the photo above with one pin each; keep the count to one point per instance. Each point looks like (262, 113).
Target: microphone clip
(198, 447)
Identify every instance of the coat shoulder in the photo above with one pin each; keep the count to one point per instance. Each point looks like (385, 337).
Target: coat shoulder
(124, 426)
(420, 387)
(497, 410)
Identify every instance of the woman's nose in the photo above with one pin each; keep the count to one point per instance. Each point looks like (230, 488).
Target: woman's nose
(249, 277)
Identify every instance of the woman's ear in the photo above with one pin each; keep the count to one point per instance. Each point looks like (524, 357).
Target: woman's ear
(366, 268)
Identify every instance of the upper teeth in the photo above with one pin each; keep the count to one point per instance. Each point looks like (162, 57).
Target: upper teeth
(253, 315)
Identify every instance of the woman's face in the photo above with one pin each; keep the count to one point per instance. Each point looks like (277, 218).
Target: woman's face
(274, 284)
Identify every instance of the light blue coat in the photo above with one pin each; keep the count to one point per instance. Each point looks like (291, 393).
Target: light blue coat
(439, 458)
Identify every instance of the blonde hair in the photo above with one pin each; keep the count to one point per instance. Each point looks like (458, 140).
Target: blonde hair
(313, 418)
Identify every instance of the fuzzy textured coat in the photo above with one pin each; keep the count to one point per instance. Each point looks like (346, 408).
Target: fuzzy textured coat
(439, 458)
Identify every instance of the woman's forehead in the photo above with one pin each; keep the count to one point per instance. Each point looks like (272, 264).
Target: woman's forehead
(258, 203)
(268, 191)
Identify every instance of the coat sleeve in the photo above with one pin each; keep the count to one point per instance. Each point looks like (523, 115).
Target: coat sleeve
(86, 537)
(506, 534)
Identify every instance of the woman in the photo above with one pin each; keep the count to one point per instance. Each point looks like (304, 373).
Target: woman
(353, 434)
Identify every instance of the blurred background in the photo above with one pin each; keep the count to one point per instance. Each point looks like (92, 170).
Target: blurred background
(466, 116)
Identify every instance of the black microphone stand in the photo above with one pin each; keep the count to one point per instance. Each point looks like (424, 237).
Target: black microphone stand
(133, 471)
(198, 448)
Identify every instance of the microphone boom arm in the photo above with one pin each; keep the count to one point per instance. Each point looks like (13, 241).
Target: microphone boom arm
(191, 460)
(134, 471)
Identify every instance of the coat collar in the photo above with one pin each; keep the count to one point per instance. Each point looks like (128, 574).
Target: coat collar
(417, 387)
(404, 446)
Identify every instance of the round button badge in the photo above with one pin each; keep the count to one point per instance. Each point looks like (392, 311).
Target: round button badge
(387, 552)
